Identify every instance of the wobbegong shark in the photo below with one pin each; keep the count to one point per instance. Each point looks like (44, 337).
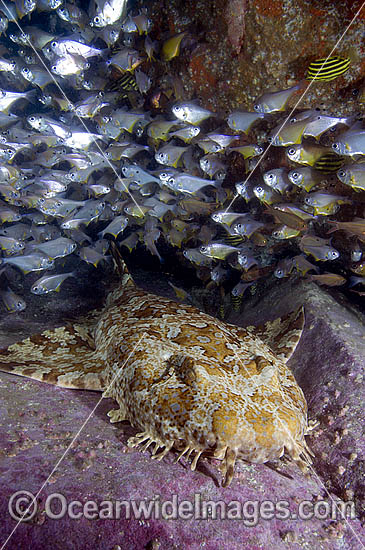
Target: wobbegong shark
(189, 382)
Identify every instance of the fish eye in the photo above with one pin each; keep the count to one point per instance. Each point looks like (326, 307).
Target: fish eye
(270, 177)
(97, 19)
(26, 70)
(260, 150)
(256, 108)
(259, 189)
(292, 120)
(54, 68)
(291, 151)
(203, 249)
(279, 272)
(35, 288)
(295, 175)
(270, 139)
(335, 146)
(53, 44)
(239, 226)
(341, 173)
(19, 304)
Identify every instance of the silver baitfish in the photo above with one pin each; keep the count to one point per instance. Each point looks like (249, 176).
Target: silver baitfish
(191, 113)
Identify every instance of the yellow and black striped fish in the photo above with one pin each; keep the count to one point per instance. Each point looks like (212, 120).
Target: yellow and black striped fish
(234, 240)
(228, 238)
(328, 69)
(222, 311)
(236, 302)
(125, 84)
(330, 162)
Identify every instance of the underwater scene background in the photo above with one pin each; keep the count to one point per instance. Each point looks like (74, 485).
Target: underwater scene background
(221, 146)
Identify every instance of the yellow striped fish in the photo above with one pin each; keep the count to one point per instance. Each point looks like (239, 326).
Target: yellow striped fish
(125, 84)
(329, 163)
(236, 302)
(328, 69)
(228, 238)
(222, 311)
(233, 240)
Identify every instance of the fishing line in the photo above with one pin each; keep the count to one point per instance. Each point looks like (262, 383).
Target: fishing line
(297, 103)
(70, 102)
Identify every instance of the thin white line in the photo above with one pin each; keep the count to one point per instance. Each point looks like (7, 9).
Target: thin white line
(290, 437)
(237, 195)
(320, 482)
(69, 447)
(261, 158)
(70, 102)
(296, 105)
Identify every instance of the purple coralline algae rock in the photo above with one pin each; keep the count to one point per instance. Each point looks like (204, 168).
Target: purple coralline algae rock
(59, 441)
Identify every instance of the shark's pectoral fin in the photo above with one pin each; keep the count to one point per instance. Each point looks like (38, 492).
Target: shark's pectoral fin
(64, 356)
(282, 334)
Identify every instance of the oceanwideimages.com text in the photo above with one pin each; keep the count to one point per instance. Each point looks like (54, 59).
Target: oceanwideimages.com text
(23, 507)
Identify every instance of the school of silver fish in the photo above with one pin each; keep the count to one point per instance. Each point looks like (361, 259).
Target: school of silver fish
(93, 148)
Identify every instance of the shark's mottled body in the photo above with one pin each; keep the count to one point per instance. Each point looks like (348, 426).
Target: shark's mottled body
(188, 380)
